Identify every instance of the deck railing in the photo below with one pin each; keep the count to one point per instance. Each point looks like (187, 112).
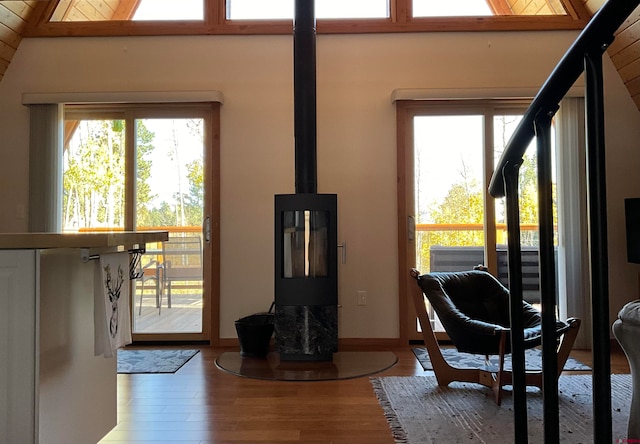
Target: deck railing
(154, 249)
(585, 55)
(501, 229)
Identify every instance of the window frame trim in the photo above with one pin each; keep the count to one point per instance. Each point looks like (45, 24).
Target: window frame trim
(400, 20)
(406, 111)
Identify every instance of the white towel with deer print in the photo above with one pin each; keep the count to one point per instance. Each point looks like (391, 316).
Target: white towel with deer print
(111, 304)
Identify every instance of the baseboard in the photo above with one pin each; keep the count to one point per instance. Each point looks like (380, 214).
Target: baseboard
(369, 343)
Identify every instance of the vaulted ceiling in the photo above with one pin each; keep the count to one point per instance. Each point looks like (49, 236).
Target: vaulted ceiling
(15, 17)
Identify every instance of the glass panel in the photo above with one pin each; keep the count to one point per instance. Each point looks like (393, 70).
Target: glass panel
(352, 9)
(479, 8)
(449, 199)
(448, 155)
(283, 9)
(458, 8)
(92, 10)
(169, 10)
(170, 196)
(305, 243)
(504, 126)
(93, 175)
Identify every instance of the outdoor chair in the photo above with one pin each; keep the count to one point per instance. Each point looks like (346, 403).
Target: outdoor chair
(181, 262)
(473, 307)
(144, 273)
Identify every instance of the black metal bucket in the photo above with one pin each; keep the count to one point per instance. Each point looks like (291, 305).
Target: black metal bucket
(254, 333)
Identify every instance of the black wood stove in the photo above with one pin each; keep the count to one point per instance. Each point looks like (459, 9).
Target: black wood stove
(306, 270)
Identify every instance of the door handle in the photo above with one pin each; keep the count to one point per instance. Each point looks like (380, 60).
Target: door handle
(411, 228)
(206, 229)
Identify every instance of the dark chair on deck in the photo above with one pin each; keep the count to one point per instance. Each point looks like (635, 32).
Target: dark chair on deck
(181, 266)
(473, 307)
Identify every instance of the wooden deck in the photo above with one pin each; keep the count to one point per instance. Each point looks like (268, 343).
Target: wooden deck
(184, 316)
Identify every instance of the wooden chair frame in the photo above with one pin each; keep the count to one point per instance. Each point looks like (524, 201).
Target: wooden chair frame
(146, 273)
(445, 373)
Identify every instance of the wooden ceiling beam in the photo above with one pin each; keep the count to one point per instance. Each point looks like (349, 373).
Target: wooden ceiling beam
(576, 9)
(126, 9)
(500, 7)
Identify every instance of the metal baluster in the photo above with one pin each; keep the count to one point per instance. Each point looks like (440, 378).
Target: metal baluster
(542, 125)
(514, 251)
(597, 192)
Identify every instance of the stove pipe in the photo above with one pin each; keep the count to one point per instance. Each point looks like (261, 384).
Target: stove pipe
(304, 91)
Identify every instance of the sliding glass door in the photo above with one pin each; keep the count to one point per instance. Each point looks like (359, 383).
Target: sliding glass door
(446, 156)
(170, 196)
(149, 168)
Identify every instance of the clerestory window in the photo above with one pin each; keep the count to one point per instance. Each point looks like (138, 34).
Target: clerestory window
(325, 9)
(137, 10)
(175, 17)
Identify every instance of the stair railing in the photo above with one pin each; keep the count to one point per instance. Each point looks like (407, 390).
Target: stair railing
(585, 55)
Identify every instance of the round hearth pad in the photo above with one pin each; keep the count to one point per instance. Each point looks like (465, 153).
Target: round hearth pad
(345, 365)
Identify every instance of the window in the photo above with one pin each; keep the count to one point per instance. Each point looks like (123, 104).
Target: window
(499, 120)
(94, 10)
(161, 17)
(283, 9)
(479, 8)
(168, 10)
(94, 175)
(458, 8)
(450, 149)
(449, 210)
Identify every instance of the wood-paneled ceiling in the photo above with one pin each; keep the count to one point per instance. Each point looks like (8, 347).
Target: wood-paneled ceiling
(18, 19)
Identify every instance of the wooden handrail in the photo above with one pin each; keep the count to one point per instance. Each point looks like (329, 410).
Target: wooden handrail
(594, 39)
(584, 55)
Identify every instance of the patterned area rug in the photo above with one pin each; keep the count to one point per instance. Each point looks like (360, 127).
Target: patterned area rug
(153, 361)
(421, 412)
(533, 358)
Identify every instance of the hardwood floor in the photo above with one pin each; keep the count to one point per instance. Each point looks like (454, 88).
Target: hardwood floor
(201, 404)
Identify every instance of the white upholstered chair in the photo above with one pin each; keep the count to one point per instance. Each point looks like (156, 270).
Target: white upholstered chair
(626, 329)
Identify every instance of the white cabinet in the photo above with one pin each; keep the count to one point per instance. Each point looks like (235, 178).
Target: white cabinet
(18, 346)
(58, 392)
(53, 390)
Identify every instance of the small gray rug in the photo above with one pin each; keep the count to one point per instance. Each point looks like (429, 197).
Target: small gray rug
(421, 412)
(153, 361)
(533, 360)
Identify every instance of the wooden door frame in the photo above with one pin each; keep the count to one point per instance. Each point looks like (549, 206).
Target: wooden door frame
(210, 112)
(406, 110)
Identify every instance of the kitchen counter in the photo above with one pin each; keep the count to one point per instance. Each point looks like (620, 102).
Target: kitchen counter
(56, 389)
(14, 241)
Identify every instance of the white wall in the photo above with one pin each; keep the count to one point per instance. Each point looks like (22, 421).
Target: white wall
(623, 163)
(356, 138)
